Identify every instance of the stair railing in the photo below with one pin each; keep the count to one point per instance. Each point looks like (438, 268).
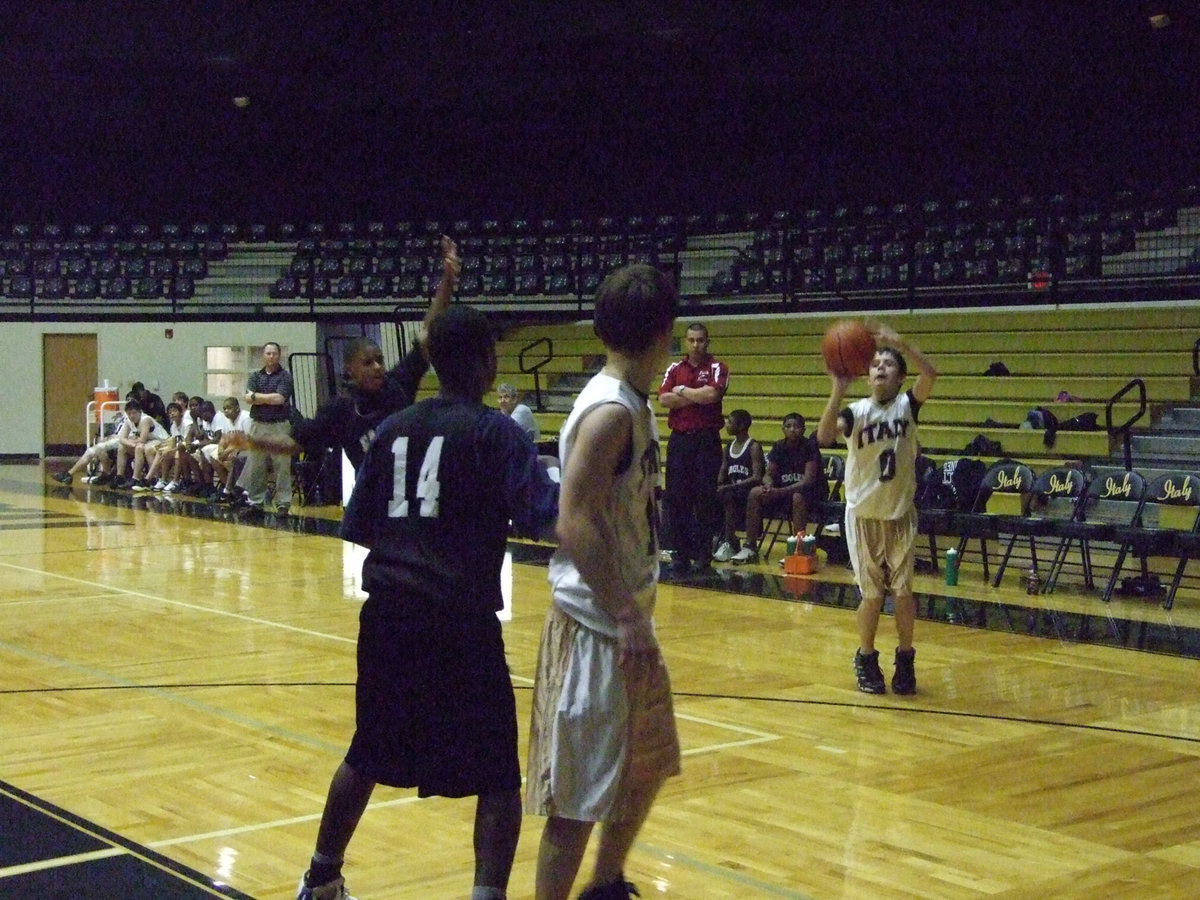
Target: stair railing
(536, 366)
(1122, 431)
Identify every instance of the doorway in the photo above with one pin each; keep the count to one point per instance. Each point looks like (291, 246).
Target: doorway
(66, 390)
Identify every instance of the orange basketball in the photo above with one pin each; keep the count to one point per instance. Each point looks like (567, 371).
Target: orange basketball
(848, 348)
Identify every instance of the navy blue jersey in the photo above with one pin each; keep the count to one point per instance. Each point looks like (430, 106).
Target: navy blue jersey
(433, 501)
(793, 461)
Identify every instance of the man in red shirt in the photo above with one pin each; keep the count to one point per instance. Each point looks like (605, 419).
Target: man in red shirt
(692, 390)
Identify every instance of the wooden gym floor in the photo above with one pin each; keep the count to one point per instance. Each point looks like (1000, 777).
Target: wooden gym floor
(177, 690)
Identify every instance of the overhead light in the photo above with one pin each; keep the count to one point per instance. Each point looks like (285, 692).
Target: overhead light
(1160, 20)
(241, 101)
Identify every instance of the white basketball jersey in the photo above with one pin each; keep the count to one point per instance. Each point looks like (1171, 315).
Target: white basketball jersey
(881, 454)
(631, 510)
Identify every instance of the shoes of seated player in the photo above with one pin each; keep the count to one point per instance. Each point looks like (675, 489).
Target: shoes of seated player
(746, 555)
(331, 890)
(141, 484)
(614, 890)
(724, 553)
(161, 484)
(63, 478)
(868, 673)
(904, 679)
(172, 487)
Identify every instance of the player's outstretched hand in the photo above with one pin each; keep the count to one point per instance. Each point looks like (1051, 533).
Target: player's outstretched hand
(451, 264)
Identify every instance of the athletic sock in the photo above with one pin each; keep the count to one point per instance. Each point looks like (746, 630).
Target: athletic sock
(323, 869)
(482, 892)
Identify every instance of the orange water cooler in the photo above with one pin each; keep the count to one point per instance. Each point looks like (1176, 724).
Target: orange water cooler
(108, 409)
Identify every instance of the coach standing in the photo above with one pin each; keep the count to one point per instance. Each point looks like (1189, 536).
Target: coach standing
(692, 390)
(269, 393)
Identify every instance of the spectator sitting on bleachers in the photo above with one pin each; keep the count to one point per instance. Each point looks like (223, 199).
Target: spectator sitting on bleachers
(146, 431)
(99, 453)
(189, 476)
(741, 470)
(506, 396)
(189, 412)
(793, 484)
(227, 461)
(162, 465)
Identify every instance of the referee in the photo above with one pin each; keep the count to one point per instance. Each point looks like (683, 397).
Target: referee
(691, 391)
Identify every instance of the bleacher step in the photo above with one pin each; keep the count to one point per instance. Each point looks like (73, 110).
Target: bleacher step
(1175, 445)
(1182, 418)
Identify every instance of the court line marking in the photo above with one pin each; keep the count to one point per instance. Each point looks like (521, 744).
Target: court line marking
(118, 845)
(759, 737)
(192, 606)
(59, 862)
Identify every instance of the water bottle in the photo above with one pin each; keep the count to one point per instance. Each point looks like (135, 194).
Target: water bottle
(952, 566)
(808, 545)
(1033, 584)
(792, 544)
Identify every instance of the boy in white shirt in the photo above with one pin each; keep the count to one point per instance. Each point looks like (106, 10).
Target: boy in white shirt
(881, 517)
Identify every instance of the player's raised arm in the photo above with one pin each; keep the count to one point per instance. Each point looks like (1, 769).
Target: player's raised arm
(451, 266)
(926, 373)
(827, 428)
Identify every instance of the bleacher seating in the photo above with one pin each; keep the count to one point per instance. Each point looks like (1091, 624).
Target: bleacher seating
(935, 253)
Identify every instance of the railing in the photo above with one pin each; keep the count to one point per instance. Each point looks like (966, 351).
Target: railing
(313, 380)
(535, 368)
(1122, 431)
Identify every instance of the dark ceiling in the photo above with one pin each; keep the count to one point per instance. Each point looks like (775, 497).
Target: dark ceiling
(119, 109)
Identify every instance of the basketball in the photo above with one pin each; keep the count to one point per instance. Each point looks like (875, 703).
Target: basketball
(848, 348)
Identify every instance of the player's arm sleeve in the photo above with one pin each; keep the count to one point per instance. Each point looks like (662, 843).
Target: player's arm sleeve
(407, 373)
(531, 496)
(314, 434)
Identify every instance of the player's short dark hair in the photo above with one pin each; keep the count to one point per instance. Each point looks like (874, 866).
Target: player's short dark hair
(740, 419)
(901, 362)
(358, 347)
(794, 415)
(131, 405)
(460, 342)
(175, 406)
(634, 306)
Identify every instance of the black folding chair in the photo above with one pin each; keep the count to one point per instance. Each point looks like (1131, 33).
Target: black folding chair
(1113, 499)
(1157, 531)
(1005, 479)
(1052, 499)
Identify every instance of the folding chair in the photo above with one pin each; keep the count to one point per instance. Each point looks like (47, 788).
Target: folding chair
(1113, 499)
(1052, 499)
(1005, 484)
(1167, 520)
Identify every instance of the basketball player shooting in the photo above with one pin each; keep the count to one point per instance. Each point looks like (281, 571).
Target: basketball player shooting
(881, 517)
